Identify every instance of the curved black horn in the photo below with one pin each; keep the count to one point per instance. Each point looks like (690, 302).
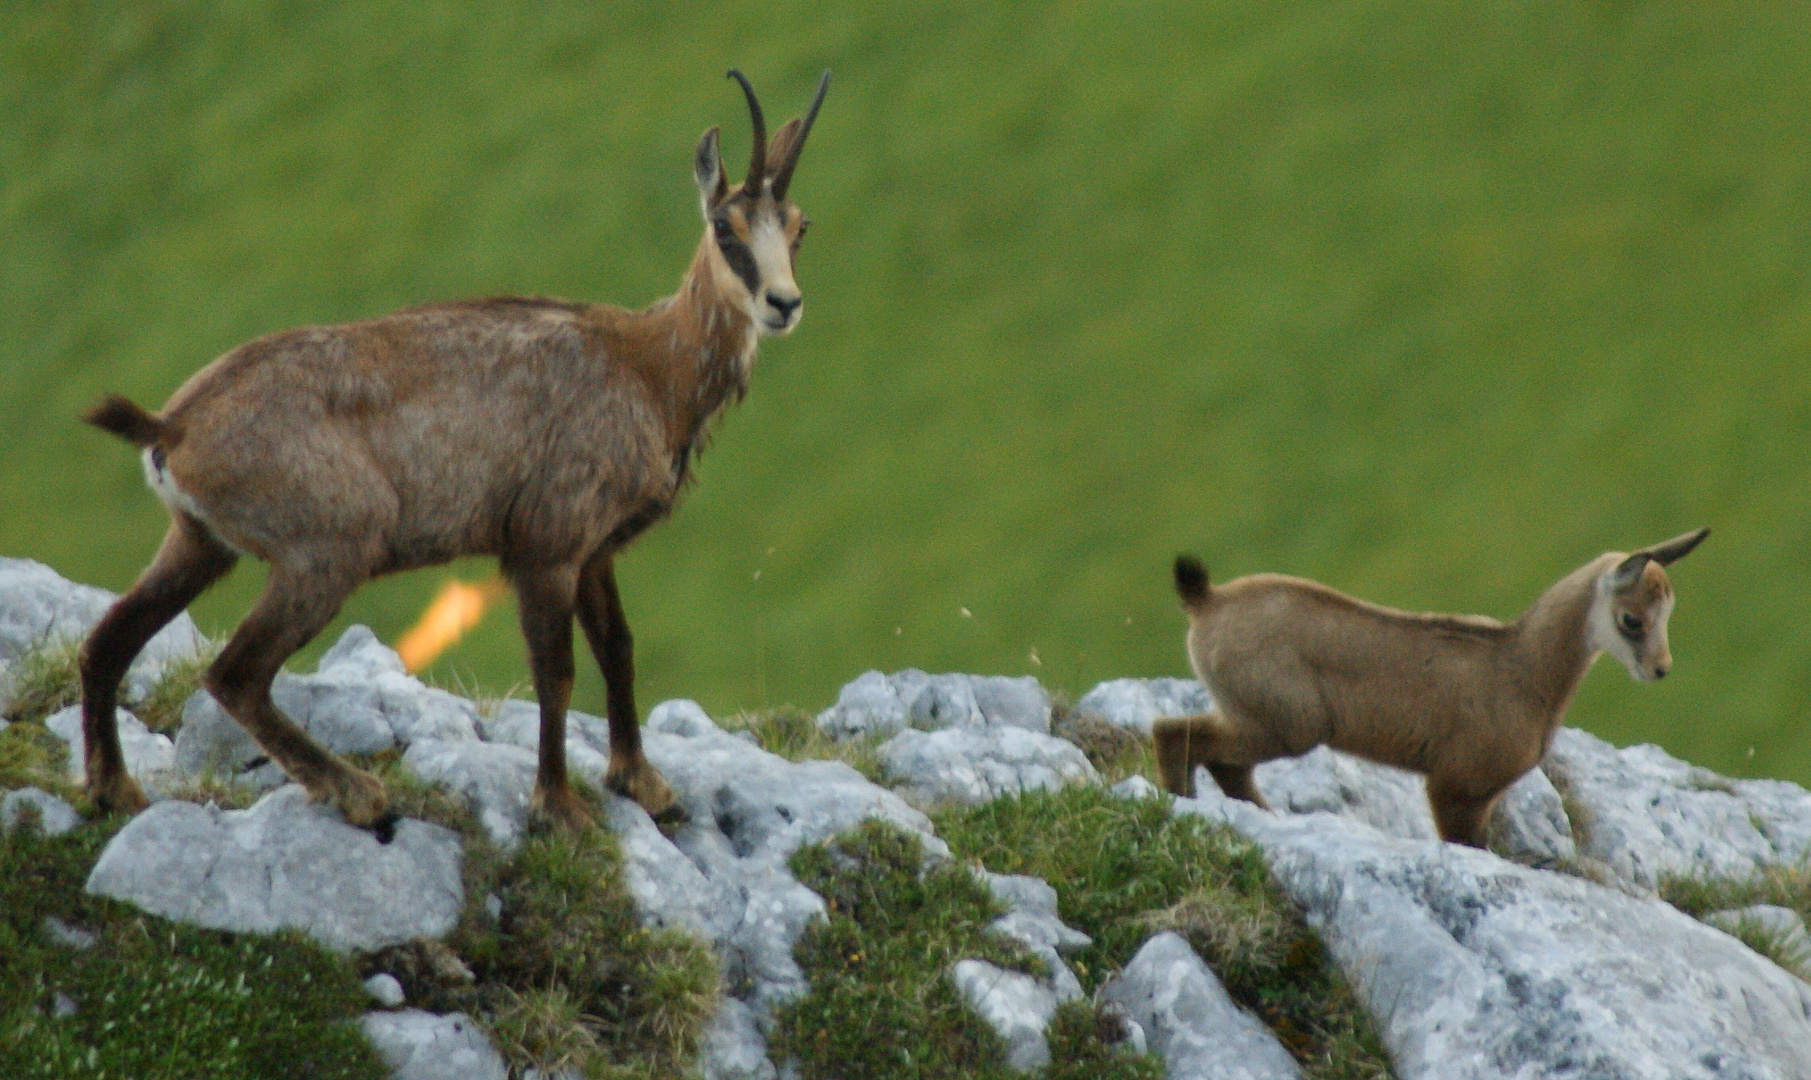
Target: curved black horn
(782, 176)
(757, 159)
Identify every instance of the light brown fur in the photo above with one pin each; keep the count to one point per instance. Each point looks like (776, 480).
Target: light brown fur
(544, 432)
(1467, 700)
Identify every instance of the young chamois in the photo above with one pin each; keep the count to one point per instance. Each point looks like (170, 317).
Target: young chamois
(1466, 700)
(547, 433)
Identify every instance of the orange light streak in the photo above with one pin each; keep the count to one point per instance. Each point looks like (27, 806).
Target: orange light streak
(456, 608)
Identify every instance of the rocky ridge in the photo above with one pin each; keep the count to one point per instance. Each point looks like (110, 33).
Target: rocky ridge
(1471, 964)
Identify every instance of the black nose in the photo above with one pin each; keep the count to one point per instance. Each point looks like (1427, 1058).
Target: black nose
(1659, 673)
(784, 307)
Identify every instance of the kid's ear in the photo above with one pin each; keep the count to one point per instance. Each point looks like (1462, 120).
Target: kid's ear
(707, 170)
(1628, 571)
(1677, 548)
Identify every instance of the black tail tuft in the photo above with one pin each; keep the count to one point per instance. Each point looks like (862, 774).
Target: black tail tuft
(125, 419)
(1191, 580)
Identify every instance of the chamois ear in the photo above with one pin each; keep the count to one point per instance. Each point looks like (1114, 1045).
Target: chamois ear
(707, 170)
(1677, 548)
(1628, 571)
(779, 148)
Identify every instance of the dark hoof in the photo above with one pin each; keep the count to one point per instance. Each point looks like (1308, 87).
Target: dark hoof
(384, 828)
(674, 814)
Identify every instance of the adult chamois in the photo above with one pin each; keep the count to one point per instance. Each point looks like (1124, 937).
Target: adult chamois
(545, 432)
(1466, 700)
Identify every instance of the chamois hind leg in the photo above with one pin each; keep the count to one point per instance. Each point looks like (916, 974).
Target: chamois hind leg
(1209, 739)
(600, 612)
(188, 562)
(1460, 815)
(545, 597)
(300, 597)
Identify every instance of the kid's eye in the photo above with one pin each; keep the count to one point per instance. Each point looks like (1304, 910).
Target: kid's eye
(721, 228)
(1630, 624)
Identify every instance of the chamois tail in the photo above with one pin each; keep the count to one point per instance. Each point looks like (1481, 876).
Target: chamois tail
(127, 420)
(1191, 581)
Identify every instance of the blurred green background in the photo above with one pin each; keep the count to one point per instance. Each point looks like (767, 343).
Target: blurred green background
(1429, 301)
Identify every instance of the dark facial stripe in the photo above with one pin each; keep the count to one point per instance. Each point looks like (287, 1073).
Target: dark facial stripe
(742, 261)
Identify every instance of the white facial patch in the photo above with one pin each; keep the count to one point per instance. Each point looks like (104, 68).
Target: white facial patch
(1603, 635)
(773, 260)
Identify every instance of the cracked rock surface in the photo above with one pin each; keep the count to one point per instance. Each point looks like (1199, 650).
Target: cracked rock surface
(1473, 966)
(39, 605)
(1134, 703)
(150, 757)
(877, 704)
(1189, 1021)
(419, 1045)
(977, 765)
(1650, 814)
(285, 862)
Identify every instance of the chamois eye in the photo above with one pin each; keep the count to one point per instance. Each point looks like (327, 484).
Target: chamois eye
(721, 228)
(1630, 625)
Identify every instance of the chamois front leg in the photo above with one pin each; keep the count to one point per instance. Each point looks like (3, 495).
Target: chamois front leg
(601, 614)
(545, 599)
(1459, 814)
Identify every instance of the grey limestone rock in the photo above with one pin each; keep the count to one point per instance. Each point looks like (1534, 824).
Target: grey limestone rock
(877, 704)
(150, 757)
(55, 817)
(1017, 1006)
(732, 1047)
(1528, 821)
(1647, 815)
(419, 1045)
(384, 989)
(360, 700)
(747, 812)
(495, 779)
(669, 889)
(1032, 921)
(1187, 1018)
(285, 862)
(1136, 787)
(1478, 967)
(976, 765)
(39, 606)
(1134, 703)
(73, 936)
(1323, 779)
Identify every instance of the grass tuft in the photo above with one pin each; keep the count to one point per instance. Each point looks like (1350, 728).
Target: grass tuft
(42, 681)
(30, 756)
(565, 976)
(1116, 752)
(157, 1000)
(793, 734)
(881, 1003)
(1124, 868)
(1781, 886)
(161, 709)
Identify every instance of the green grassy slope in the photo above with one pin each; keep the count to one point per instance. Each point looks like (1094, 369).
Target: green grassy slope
(1432, 302)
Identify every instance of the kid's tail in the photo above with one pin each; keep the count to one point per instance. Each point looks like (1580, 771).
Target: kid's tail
(1191, 581)
(125, 419)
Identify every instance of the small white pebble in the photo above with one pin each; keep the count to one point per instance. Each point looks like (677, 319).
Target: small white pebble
(67, 934)
(62, 1006)
(385, 989)
(493, 905)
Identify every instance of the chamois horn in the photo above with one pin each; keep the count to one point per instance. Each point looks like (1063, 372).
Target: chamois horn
(757, 158)
(782, 176)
